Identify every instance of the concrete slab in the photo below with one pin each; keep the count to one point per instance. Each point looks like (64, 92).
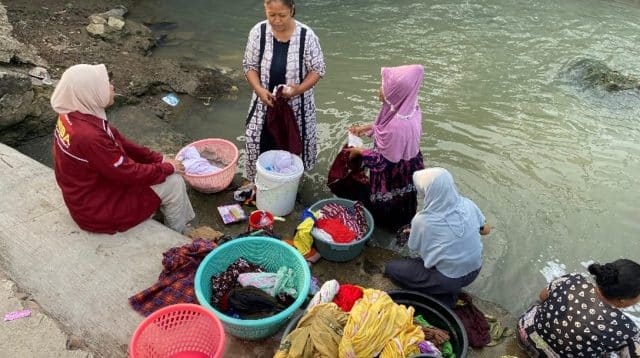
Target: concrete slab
(82, 279)
(35, 336)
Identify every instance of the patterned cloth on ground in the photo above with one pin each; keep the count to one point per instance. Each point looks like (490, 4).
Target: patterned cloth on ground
(175, 283)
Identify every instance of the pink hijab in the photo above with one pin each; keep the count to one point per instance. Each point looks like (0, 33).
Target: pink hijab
(82, 88)
(398, 127)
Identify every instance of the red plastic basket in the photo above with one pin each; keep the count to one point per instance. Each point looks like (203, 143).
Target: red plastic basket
(182, 330)
(226, 152)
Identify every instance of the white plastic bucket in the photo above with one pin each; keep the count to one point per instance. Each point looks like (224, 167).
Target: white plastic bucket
(276, 192)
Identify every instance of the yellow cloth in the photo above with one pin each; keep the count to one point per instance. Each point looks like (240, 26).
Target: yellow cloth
(303, 239)
(379, 326)
(317, 335)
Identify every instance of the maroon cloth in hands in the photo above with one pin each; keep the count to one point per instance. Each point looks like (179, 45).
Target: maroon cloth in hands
(347, 178)
(282, 125)
(175, 283)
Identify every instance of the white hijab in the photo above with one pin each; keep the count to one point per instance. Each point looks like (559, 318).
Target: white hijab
(82, 88)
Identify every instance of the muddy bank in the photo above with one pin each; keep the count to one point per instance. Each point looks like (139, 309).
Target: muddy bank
(57, 34)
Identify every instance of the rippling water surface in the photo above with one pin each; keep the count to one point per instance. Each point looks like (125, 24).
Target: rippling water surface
(553, 164)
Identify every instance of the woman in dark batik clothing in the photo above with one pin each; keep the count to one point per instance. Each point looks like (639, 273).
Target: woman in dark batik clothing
(396, 154)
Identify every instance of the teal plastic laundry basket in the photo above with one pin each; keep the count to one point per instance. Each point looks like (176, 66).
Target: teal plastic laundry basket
(342, 252)
(266, 252)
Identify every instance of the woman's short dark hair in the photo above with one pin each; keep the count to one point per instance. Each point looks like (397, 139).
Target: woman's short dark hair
(288, 3)
(617, 280)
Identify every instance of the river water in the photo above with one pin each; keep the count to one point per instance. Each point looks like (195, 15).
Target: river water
(554, 165)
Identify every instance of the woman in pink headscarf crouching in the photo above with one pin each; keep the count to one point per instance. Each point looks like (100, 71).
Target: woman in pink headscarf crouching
(396, 154)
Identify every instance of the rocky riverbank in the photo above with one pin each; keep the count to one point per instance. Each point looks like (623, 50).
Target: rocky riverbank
(39, 40)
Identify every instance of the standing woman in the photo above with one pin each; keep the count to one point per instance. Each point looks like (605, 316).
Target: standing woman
(396, 154)
(281, 51)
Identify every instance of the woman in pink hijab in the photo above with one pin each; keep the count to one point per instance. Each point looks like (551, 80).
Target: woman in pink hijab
(396, 154)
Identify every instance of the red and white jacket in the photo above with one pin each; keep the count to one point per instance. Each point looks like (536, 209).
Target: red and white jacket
(105, 179)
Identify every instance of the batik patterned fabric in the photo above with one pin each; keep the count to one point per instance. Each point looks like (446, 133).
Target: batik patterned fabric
(175, 283)
(393, 195)
(313, 62)
(353, 218)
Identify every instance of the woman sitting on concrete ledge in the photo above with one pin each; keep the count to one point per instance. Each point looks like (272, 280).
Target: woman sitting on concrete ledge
(109, 183)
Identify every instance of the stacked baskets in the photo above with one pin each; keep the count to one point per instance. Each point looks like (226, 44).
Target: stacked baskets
(341, 252)
(227, 152)
(267, 252)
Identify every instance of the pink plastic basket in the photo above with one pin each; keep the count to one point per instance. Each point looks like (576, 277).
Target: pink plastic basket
(226, 152)
(182, 330)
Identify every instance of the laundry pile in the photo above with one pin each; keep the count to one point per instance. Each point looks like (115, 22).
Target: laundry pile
(246, 291)
(333, 223)
(351, 321)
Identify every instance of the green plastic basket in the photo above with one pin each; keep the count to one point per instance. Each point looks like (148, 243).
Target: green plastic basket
(266, 252)
(342, 252)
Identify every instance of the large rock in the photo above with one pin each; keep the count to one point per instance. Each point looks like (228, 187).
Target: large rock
(589, 72)
(24, 108)
(111, 26)
(11, 50)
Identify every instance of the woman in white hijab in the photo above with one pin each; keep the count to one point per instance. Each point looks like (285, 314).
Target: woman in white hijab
(446, 235)
(108, 182)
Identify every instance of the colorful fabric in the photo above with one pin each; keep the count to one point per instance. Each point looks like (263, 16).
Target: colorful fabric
(398, 127)
(353, 217)
(339, 232)
(428, 347)
(327, 293)
(433, 334)
(175, 283)
(313, 62)
(317, 335)
(347, 296)
(392, 199)
(446, 232)
(374, 323)
(224, 282)
(303, 241)
(574, 321)
(270, 282)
